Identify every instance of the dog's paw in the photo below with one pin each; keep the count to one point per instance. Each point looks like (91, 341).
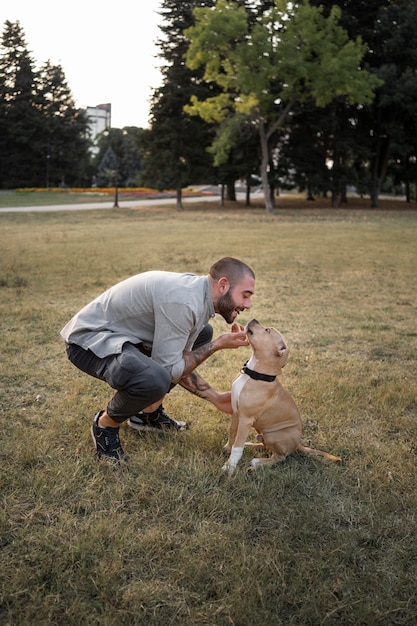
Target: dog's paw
(253, 465)
(227, 448)
(228, 469)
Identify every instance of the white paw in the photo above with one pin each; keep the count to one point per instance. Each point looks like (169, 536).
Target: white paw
(228, 469)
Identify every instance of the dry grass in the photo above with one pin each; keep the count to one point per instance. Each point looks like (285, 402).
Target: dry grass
(169, 541)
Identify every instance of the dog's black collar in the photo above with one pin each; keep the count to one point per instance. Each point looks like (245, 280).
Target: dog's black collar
(268, 378)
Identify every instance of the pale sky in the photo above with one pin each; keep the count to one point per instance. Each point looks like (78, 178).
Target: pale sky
(107, 50)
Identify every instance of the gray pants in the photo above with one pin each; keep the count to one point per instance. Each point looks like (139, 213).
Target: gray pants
(138, 379)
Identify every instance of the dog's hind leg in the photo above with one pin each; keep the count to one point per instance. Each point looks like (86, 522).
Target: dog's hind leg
(260, 445)
(272, 460)
(314, 452)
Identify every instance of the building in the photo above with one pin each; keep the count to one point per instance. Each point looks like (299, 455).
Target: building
(99, 121)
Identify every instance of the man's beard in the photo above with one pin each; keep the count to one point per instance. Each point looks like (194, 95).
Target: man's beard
(226, 307)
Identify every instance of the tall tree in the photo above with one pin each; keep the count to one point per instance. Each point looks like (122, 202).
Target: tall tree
(393, 117)
(176, 145)
(386, 126)
(45, 136)
(120, 150)
(64, 129)
(292, 53)
(22, 118)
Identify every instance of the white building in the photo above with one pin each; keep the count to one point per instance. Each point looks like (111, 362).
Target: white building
(99, 120)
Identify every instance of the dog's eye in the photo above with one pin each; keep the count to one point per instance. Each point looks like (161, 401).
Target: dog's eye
(268, 330)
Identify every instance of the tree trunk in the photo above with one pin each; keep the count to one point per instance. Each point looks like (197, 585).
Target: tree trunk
(310, 195)
(379, 170)
(248, 182)
(272, 194)
(222, 195)
(407, 191)
(231, 191)
(179, 199)
(374, 197)
(264, 168)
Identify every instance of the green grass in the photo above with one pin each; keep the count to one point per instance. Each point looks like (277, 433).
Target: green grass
(169, 541)
(46, 198)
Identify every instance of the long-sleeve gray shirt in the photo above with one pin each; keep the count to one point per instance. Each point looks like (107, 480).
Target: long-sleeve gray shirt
(165, 311)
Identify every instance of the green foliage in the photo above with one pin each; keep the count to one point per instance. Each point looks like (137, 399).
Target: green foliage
(289, 54)
(43, 139)
(385, 131)
(286, 55)
(176, 145)
(120, 151)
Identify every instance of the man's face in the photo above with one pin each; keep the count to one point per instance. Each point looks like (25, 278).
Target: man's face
(236, 299)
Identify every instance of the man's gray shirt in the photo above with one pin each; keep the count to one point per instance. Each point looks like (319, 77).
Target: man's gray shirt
(165, 311)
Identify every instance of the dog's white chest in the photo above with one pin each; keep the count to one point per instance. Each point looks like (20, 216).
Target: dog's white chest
(239, 383)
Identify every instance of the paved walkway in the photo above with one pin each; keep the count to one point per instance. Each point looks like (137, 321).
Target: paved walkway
(107, 205)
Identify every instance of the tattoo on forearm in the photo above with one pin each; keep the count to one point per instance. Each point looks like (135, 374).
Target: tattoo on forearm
(194, 383)
(196, 357)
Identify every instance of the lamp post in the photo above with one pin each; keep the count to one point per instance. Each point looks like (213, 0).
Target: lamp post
(115, 146)
(116, 189)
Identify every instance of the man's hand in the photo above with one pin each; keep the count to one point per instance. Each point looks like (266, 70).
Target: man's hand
(235, 339)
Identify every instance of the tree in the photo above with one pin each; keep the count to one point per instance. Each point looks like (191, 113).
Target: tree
(393, 116)
(176, 145)
(386, 127)
(45, 136)
(22, 118)
(64, 129)
(265, 65)
(120, 153)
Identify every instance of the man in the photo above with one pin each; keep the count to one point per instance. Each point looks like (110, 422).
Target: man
(150, 332)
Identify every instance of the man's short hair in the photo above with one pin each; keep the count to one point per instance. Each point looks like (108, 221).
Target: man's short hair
(233, 269)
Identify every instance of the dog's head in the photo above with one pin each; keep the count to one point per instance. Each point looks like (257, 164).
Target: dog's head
(268, 344)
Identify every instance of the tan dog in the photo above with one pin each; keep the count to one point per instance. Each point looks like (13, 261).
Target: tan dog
(260, 401)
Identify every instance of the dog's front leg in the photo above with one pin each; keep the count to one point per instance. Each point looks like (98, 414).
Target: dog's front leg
(233, 460)
(237, 447)
(232, 432)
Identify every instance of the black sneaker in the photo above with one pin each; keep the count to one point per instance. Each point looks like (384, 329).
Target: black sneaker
(107, 442)
(156, 422)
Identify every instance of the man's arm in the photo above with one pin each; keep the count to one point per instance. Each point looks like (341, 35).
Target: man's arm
(199, 387)
(235, 339)
(193, 382)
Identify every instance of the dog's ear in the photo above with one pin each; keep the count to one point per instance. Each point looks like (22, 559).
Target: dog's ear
(283, 351)
(282, 348)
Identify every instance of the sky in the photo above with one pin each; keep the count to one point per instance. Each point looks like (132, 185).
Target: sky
(107, 50)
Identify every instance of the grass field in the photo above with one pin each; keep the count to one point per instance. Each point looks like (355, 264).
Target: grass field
(169, 541)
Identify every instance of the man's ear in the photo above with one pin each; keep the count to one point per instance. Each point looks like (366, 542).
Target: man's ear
(223, 285)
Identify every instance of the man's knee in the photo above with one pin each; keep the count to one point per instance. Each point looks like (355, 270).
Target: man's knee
(137, 374)
(153, 384)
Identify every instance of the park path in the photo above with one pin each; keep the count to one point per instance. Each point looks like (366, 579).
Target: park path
(106, 205)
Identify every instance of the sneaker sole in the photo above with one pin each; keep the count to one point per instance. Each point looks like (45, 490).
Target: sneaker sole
(153, 429)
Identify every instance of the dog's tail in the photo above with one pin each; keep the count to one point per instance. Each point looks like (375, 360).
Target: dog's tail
(331, 457)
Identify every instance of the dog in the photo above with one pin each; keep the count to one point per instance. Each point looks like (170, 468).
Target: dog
(260, 401)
